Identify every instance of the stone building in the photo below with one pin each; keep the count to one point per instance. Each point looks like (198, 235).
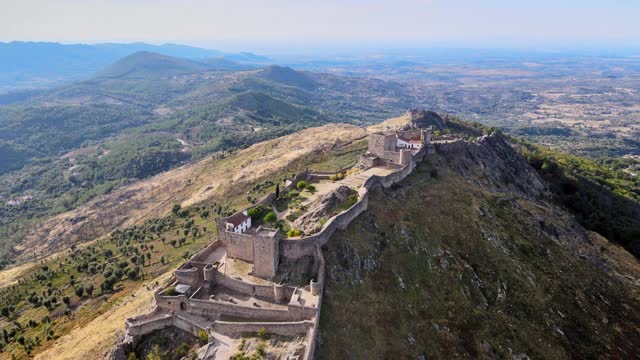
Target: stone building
(395, 148)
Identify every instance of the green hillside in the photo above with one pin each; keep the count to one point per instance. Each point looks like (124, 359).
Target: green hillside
(465, 260)
(145, 64)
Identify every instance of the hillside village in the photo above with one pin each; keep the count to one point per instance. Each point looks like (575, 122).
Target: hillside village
(261, 280)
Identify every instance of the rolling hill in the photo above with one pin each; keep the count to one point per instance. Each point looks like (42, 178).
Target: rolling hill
(40, 64)
(59, 146)
(471, 257)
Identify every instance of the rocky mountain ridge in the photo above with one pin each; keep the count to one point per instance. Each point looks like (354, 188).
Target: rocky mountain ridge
(470, 257)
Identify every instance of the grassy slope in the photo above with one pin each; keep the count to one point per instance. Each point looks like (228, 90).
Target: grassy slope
(93, 321)
(417, 275)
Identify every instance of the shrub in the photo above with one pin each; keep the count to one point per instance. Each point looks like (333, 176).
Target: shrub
(434, 173)
(310, 188)
(294, 233)
(351, 200)
(261, 349)
(262, 333)
(203, 336)
(270, 217)
(301, 184)
(337, 177)
(170, 291)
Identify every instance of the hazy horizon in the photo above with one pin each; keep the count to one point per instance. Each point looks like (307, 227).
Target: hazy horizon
(303, 26)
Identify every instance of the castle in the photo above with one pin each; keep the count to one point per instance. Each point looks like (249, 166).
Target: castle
(238, 284)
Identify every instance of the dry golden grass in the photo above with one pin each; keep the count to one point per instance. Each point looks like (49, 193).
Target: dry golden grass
(94, 339)
(187, 185)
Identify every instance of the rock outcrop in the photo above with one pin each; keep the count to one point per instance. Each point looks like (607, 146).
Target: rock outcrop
(323, 208)
(494, 164)
(468, 248)
(424, 118)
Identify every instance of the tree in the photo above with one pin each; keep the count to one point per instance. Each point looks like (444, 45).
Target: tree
(162, 260)
(89, 290)
(66, 300)
(132, 273)
(255, 212)
(148, 255)
(277, 190)
(176, 208)
(270, 217)
(173, 243)
(80, 291)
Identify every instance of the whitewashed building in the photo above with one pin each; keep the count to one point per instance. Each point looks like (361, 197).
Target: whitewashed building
(239, 223)
(406, 143)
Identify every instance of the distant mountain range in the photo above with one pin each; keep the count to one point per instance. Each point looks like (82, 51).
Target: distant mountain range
(39, 64)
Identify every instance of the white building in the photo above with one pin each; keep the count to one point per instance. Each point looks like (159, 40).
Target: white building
(239, 223)
(405, 143)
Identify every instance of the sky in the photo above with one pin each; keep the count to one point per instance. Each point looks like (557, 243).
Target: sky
(250, 24)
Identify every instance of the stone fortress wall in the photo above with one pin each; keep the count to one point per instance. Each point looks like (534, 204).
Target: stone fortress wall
(294, 318)
(305, 246)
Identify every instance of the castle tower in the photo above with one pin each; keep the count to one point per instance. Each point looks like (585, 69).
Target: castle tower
(405, 156)
(266, 253)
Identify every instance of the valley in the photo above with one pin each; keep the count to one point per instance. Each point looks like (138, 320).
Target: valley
(529, 212)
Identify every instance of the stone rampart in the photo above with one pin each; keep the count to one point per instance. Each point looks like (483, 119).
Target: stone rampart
(187, 325)
(144, 326)
(266, 292)
(281, 328)
(237, 245)
(312, 333)
(157, 321)
(213, 309)
(188, 275)
(172, 303)
(449, 146)
(203, 254)
(296, 248)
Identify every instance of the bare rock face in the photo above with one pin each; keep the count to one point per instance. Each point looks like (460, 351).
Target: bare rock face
(323, 207)
(425, 118)
(494, 164)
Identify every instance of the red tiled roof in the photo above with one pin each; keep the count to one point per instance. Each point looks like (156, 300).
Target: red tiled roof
(403, 138)
(237, 219)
